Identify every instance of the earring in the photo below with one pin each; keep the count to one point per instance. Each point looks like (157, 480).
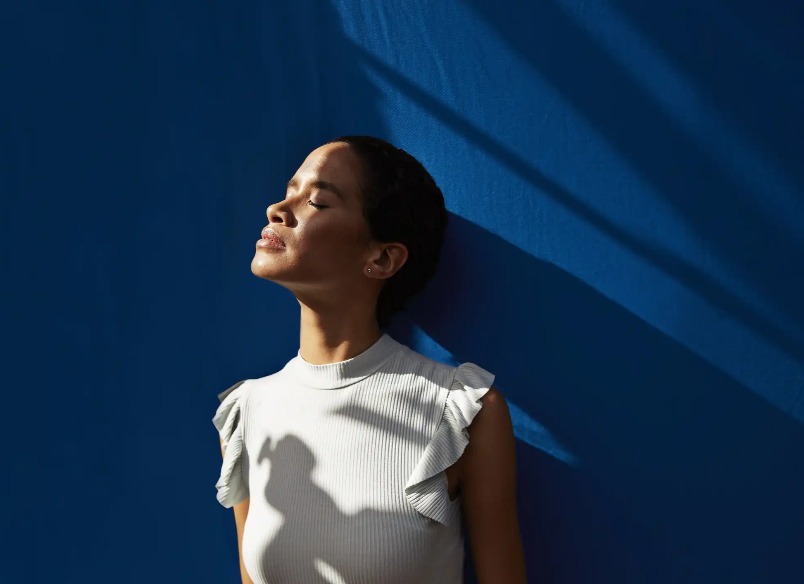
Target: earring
(369, 270)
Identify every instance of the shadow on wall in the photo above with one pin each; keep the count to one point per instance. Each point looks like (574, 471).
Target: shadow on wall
(708, 189)
(682, 475)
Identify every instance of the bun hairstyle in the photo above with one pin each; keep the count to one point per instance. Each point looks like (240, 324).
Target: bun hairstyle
(403, 204)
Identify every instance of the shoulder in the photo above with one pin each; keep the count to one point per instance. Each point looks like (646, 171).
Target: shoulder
(493, 421)
(409, 355)
(494, 400)
(243, 388)
(411, 363)
(491, 439)
(228, 414)
(231, 389)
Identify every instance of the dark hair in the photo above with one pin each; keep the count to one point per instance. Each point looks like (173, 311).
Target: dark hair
(401, 203)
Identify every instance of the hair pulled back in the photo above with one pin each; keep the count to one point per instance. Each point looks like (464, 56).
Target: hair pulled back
(403, 204)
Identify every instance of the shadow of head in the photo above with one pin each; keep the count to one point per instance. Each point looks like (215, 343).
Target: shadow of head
(320, 535)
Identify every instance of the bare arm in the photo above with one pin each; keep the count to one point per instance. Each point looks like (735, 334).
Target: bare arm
(488, 490)
(240, 513)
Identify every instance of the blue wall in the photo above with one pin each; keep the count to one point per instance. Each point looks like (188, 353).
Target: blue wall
(625, 252)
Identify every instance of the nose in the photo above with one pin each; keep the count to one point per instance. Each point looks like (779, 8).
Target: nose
(278, 213)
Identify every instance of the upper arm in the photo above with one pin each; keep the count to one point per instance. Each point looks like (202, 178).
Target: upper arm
(488, 493)
(240, 514)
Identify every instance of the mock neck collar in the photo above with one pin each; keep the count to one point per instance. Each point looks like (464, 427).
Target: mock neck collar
(343, 373)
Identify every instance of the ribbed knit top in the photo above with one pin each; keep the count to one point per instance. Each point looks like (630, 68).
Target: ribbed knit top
(343, 465)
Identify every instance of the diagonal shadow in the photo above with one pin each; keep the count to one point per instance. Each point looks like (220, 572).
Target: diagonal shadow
(753, 58)
(527, 430)
(684, 474)
(735, 226)
(393, 426)
(694, 278)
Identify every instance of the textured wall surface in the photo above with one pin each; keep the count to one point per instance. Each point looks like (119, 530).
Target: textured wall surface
(625, 252)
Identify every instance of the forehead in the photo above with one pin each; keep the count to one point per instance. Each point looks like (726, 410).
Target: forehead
(335, 163)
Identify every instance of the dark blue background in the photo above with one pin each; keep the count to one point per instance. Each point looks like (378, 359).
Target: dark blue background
(625, 253)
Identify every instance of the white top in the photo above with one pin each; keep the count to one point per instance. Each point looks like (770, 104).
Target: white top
(344, 466)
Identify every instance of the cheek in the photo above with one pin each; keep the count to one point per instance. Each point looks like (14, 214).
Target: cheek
(340, 243)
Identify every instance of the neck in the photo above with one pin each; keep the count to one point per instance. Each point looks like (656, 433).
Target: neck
(336, 333)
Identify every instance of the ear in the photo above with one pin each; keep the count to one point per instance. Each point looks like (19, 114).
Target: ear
(386, 261)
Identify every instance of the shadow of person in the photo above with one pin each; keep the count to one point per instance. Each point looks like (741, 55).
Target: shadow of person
(683, 474)
(318, 542)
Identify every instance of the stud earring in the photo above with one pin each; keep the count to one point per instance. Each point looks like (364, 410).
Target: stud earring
(369, 270)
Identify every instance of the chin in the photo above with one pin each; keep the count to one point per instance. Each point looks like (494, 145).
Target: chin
(276, 270)
(264, 268)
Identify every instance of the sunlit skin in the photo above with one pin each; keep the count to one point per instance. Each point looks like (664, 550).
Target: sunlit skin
(327, 257)
(325, 263)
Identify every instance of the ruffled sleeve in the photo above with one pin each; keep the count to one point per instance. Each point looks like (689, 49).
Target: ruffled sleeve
(426, 488)
(233, 484)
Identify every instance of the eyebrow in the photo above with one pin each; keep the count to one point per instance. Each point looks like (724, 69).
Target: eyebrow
(321, 185)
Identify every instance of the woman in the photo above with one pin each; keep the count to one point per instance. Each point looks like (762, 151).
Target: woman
(362, 461)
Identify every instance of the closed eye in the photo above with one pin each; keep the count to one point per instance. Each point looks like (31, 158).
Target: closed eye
(310, 202)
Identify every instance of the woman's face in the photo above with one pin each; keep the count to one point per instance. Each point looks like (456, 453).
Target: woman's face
(322, 239)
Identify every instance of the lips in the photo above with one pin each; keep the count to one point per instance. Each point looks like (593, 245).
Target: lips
(270, 239)
(270, 234)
